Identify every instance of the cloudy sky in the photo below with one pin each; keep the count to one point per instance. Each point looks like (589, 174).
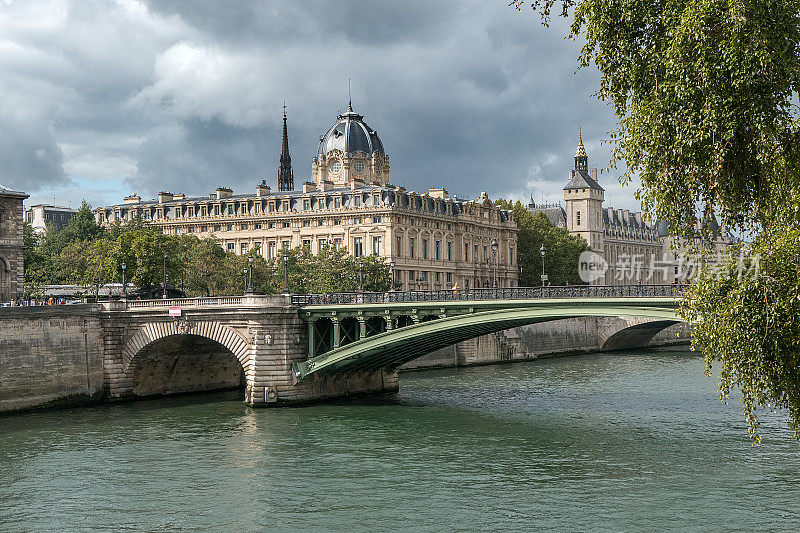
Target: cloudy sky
(102, 98)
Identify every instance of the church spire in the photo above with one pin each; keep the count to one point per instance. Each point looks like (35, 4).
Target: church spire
(285, 173)
(581, 159)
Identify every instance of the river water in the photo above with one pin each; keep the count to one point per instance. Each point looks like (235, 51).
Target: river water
(623, 442)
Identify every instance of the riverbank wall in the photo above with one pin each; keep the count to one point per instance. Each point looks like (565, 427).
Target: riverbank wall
(50, 356)
(569, 336)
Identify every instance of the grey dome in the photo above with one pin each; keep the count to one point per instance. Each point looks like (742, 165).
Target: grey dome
(350, 134)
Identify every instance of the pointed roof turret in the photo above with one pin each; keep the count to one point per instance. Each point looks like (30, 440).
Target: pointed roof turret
(285, 173)
(580, 178)
(581, 159)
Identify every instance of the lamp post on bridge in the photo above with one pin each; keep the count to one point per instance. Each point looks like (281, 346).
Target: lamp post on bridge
(391, 275)
(542, 251)
(285, 289)
(124, 286)
(164, 291)
(494, 257)
(249, 289)
(361, 275)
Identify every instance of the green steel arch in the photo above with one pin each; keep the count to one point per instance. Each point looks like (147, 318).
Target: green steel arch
(395, 347)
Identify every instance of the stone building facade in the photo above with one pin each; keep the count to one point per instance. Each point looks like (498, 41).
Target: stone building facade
(41, 216)
(434, 240)
(12, 272)
(634, 249)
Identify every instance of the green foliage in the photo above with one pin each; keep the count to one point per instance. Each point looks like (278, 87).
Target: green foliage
(747, 316)
(84, 251)
(330, 270)
(706, 96)
(561, 249)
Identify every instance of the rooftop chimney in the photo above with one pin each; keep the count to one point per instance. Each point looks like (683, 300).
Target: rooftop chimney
(262, 189)
(132, 199)
(438, 192)
(223, 192)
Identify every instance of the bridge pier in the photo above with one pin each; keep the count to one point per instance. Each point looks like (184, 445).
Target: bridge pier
(147, 352)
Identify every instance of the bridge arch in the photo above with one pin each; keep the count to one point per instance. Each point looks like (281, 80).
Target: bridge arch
(636, 335)
(163, 358)
(153, 331)
(394, 348)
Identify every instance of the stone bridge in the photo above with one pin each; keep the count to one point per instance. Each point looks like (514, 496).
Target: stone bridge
(289, 349)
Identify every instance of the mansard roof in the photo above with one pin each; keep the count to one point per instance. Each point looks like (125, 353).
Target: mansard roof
(554, 213)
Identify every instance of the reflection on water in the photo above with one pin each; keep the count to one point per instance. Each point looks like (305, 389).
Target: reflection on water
(633, 441)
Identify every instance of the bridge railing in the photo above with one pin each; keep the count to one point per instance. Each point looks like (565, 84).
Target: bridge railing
(186, 302)
(509, 293)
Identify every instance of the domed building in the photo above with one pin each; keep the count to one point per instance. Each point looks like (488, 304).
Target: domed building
(350, 151)
(434, 241)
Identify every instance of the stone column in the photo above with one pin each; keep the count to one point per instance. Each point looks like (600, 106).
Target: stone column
(389, 322)
(362, 327)
(337, 332)
(311, 348)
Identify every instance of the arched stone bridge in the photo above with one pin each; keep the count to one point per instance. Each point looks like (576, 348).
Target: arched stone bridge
(288, 349)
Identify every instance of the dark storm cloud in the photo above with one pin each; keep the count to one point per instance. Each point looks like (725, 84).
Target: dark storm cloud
(319, 21)
(187, 96)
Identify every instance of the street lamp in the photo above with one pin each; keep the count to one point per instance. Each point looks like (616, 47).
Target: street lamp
(542, 250)
(391, 275)
(285, 273)
(250, 279)
(124, 287)
(96, 289)
(164, 292)
(360, 276)
(494, 255)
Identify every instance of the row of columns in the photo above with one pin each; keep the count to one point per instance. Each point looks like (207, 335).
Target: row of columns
(336, 323)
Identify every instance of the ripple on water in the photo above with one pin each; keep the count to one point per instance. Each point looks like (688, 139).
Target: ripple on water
(608, 442)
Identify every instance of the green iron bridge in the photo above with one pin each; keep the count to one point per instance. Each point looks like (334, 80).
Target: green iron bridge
(351, 332)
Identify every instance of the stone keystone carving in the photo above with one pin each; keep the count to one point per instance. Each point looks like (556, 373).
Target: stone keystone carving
(183, 327)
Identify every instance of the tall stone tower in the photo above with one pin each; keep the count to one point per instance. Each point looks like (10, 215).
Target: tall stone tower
(285, 173)
(584, 201)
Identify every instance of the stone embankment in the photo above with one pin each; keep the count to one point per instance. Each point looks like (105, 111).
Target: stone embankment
(50, 355)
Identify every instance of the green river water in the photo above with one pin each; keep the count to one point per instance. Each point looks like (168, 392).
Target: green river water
(636, 441)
